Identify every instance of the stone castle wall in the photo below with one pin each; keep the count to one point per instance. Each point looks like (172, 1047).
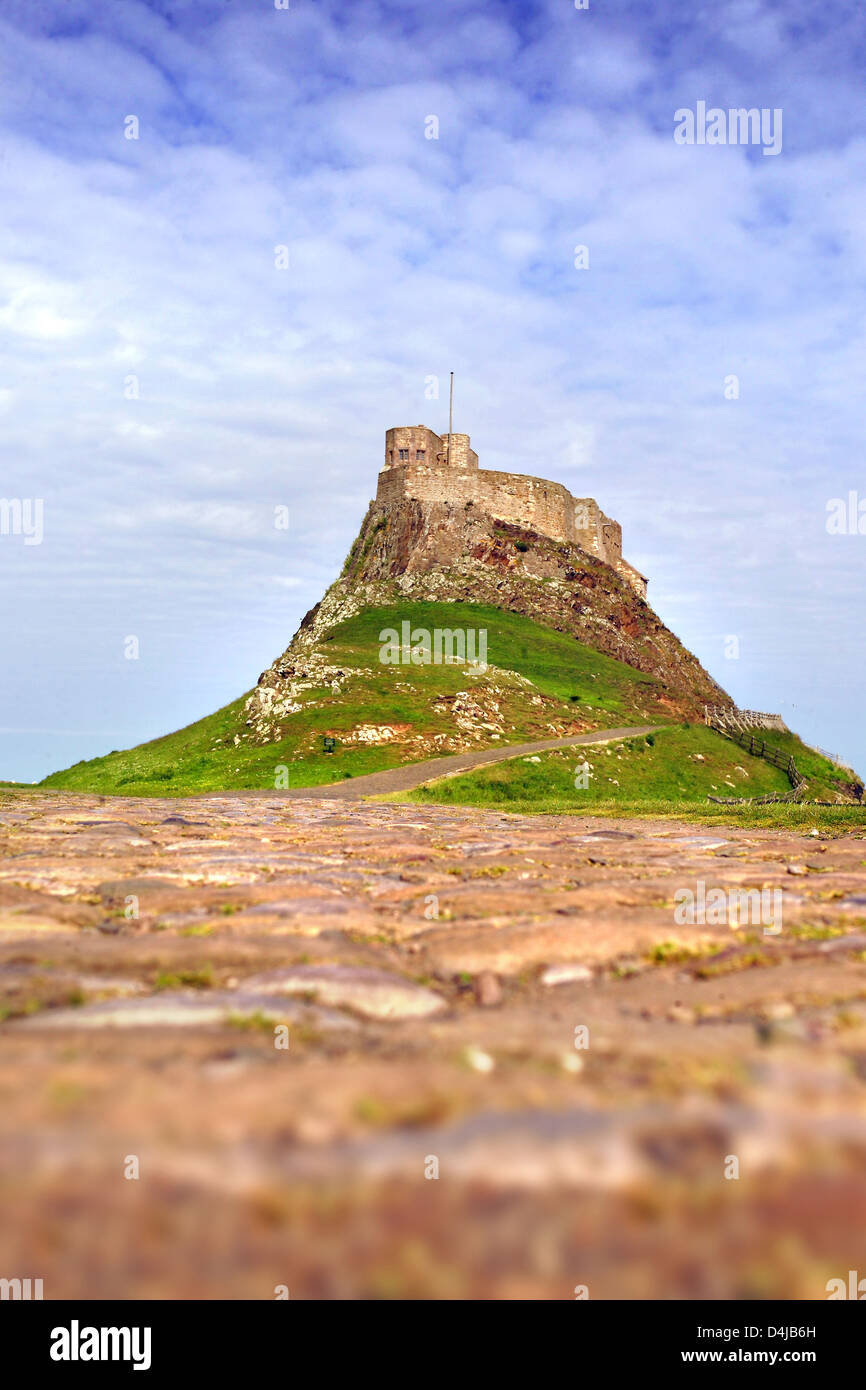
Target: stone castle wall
(416, 466)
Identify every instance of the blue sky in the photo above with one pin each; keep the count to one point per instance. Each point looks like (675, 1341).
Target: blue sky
(408, 257)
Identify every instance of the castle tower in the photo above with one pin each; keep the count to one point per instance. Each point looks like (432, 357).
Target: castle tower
(433, 468)
(459, 454)
(413, 444)
(419, 446)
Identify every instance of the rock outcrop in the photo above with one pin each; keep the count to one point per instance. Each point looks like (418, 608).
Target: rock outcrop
(441, 551)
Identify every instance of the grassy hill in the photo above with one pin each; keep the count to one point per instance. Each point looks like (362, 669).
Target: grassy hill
(539, 684)
(670, 772)
(674, 764)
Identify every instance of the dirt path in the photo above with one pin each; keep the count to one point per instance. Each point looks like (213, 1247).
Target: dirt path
(405, 779)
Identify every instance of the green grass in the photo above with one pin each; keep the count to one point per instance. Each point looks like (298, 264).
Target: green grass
(676, 764)
(672, 776)
(556, 663)
(576, 683)
(832, 819)
(569, 682)
(819, 771)
(184, 979)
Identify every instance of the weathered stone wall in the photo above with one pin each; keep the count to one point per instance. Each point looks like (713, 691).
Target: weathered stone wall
(612, 535)
(513, 497)
(423, 473)
(526, 501)
(426, 484)
(631, 576)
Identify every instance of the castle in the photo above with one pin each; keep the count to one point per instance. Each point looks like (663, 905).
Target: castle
(443, 468)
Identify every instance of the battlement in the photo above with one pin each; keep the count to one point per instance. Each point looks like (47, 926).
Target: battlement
(444, 468)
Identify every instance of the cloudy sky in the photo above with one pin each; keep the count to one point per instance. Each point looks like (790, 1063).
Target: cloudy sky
(166, 381)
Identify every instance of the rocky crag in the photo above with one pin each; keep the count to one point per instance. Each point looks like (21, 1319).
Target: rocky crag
(448, 549)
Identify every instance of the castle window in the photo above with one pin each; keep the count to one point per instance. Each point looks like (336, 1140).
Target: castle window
(404, 455)
(420, 455)
(392, 455)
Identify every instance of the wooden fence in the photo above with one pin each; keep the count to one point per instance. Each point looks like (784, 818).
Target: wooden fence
(742, 718)
(759, 748)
